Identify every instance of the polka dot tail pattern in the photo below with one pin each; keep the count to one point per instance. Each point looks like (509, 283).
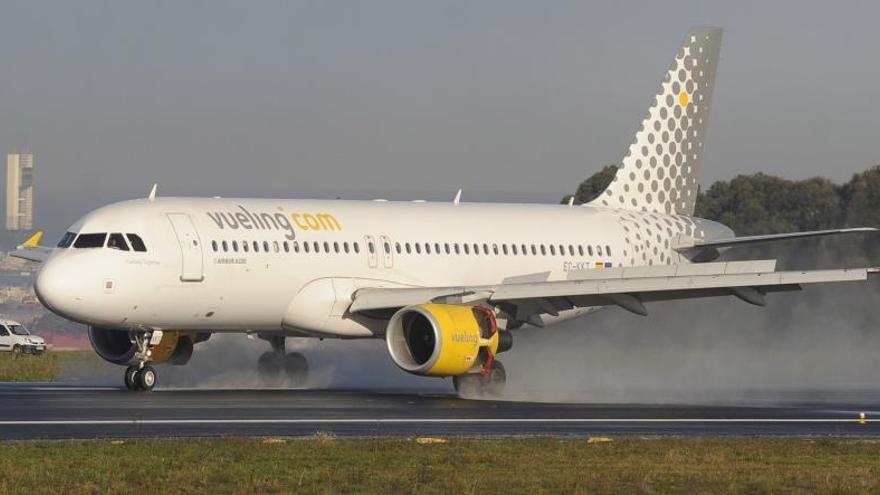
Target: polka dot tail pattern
(660, 172)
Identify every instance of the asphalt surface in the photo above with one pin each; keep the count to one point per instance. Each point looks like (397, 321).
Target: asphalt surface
(36, 411)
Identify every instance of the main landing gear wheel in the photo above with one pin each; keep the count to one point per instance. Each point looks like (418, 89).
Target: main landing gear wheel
(478, 385)
(141, 379)
(290, 369)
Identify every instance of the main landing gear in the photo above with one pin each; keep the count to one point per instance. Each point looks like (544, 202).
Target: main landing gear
(488, 384)
(278, 367)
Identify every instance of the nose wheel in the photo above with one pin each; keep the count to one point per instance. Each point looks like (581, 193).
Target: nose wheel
(141, 379)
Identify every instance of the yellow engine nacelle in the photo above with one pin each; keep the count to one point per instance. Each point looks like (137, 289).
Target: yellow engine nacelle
(174, 348)
(441, 339)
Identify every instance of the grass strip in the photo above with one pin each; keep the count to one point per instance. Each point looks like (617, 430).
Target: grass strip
(325, 464)
(45, 367)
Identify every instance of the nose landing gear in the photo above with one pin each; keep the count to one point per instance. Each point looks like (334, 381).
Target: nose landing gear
(141, 376)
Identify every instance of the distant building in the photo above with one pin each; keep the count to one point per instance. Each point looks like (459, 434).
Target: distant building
(19, 191)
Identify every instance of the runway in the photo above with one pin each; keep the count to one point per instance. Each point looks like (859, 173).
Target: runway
(52, 411)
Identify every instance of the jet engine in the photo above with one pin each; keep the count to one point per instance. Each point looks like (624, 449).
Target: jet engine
(120, 347)
(444, 339)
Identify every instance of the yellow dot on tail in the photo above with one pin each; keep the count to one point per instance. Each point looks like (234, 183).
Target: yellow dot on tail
(683, 99)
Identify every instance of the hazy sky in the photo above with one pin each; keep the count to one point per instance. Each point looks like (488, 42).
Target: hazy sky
(408, 99)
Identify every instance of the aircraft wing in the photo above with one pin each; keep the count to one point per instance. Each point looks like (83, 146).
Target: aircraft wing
(628, 288)
(31, 250)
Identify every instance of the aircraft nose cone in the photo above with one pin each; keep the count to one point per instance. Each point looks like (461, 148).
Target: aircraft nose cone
(57, 288)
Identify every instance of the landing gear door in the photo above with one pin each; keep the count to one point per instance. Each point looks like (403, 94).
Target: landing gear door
(192, 266)
(372, 256)
(385, 247)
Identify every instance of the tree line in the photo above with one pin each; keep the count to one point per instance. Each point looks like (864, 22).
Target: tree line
(764, 204)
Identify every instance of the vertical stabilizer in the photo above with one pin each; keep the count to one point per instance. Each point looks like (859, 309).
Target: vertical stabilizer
(661, 170)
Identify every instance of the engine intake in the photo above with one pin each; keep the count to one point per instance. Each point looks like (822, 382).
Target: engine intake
(117, 346)
(442, 339)
(112, 345)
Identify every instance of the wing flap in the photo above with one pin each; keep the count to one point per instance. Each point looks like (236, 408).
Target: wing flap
(706, 282)
(673, 283)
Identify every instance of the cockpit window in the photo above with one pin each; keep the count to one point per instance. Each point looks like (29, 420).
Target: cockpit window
(116, 241)
(136, 242)
(66, 240)
(90, 240)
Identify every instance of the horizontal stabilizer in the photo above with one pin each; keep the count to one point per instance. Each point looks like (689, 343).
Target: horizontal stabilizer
(757, 239)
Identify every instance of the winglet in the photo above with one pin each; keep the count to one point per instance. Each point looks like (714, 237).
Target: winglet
(152, 196)
(34, 240)
(457, 198)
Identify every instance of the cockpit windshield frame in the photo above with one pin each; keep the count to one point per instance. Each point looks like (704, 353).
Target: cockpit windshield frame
(67, 240)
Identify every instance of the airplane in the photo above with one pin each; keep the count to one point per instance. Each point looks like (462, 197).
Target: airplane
(445, 284)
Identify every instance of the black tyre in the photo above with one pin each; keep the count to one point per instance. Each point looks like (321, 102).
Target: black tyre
(146, 378)
(495, 380)
(269, 365)
(477, 385)
(467, 386)
(131, 378)
(296, 368)
(16, 349)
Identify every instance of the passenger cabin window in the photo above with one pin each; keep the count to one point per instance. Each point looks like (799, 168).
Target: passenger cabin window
(66, 240)
(90, 240)
(116, 241)
(136, 242)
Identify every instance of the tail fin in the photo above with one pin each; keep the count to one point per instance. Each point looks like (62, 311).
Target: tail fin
(660, 172)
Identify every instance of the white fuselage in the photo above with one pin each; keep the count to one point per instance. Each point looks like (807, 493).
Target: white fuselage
(312, 255)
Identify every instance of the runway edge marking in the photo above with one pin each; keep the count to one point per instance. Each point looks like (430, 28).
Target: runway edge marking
(88, 422)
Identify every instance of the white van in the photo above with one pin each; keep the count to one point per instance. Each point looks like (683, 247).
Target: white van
(14, 337)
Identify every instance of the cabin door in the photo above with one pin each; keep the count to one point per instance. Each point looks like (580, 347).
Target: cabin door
(192, 263)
